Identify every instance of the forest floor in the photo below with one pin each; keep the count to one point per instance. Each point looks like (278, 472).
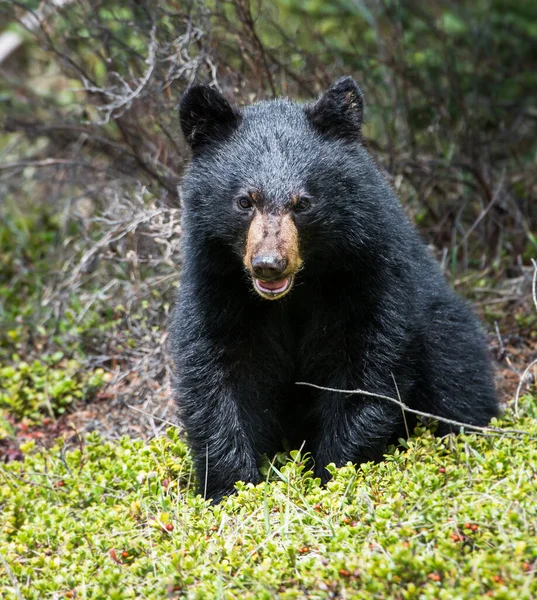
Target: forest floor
(111, 412)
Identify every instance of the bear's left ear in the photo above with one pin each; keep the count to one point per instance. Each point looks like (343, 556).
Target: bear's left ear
(338, 112)
(206, 116)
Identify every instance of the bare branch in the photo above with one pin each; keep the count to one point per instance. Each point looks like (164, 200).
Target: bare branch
(521, 383)
(418, 412)
(527, 370)
(121, 99)
(534, 283)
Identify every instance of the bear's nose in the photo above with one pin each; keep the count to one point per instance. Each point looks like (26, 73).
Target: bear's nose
(268, 266)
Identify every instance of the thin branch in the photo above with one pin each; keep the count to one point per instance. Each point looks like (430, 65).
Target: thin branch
(120, 100)
(48, 162)
(534, 285)
(401, 402)
(110, 237)
(12, 577)
(521, 383)
(527, 370)
(148, 414)
(495, 197)
(418, 412)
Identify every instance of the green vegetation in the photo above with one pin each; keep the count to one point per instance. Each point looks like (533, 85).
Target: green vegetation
(451, 518)
(90, 156)
(31, 266)
(32, 391)
(28, 247)
(39, 384)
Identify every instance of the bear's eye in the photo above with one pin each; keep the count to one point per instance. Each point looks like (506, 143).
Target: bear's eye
(302, 204)
(245, 203)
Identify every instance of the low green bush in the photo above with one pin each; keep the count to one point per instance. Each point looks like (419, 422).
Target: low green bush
(32, 391)
(442, 518)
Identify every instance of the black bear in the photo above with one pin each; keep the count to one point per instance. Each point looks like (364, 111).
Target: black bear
(301, 265)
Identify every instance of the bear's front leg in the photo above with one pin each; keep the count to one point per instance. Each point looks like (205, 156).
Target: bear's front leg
(352, 428)
(227, 407)
(220, 437)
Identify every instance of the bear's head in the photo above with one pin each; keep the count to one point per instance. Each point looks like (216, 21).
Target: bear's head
(277, 182)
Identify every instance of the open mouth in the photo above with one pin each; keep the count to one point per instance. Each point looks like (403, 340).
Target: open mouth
(272, 290)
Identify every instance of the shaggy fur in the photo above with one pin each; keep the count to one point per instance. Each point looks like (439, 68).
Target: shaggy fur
(369, 306)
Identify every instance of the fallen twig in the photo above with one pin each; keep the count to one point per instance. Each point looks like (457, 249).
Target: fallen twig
(419, 412)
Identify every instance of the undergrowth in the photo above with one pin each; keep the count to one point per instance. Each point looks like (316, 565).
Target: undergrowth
(443, 518)
(31, 391)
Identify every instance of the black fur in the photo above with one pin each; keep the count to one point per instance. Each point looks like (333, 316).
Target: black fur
(206, 116)
(339, 111)
(369, 307)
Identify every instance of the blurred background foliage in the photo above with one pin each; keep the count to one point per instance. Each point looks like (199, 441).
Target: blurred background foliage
(91, 152)
(451, 90)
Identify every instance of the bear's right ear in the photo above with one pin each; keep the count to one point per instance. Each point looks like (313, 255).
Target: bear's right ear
(338, 112)
(206, 116)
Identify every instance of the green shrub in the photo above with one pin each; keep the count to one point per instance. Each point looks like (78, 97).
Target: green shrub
(445, 518)
(34, 390)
